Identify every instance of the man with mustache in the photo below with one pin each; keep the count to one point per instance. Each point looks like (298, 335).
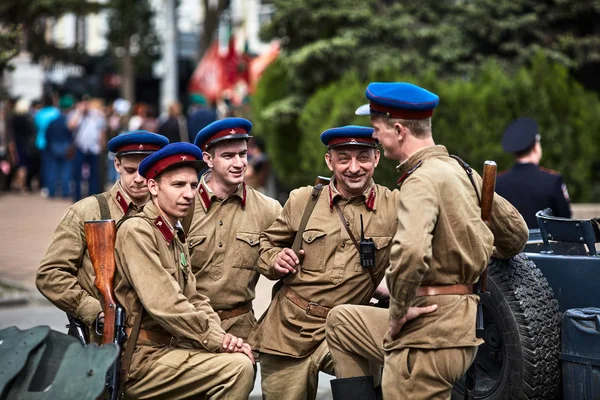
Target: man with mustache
(327, 271)
(180, 351)
(227, 219)
(66, 275)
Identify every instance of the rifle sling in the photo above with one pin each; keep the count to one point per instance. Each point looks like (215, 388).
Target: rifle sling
(130, 347)
(103, 204)
(310, 206)
(345, 225)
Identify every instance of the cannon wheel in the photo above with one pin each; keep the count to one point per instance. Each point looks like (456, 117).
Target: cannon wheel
(519, 359)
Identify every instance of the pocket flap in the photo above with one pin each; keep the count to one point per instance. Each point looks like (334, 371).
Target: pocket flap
(311, 235)
(381, 242)
(194, 241)
(251, 238)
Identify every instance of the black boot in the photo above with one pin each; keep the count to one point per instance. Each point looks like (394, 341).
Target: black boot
(358, 388)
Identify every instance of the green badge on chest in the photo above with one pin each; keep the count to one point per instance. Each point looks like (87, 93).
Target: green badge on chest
(183, 260)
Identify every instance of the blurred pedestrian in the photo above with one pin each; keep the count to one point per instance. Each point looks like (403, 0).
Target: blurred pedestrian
(8, 150)
(142, 119)
(88, 126)
(117, 124)
(60, 150)
(175, 127)
(48, 113)
(527, 186)
(23, 131)
(199, 115)
(259, 174)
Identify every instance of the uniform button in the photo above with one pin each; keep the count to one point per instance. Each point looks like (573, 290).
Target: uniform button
(220, 244)
(343, 244)
(221, 223)
(251, 241)
(205, 341)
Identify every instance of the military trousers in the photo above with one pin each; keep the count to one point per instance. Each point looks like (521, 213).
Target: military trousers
(192, 374)
(355, 339)
(294, 378)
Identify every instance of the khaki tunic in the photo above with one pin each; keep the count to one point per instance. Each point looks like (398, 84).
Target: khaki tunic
(66, 275)
(330, 273)
(223, 243)
(153, 272)
(442, 240)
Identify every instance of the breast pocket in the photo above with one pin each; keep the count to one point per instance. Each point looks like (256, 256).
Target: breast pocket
(313, 244)
(198, 251)
(246, 250)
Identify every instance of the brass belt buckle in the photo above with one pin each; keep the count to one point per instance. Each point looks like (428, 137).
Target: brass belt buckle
(310, 306)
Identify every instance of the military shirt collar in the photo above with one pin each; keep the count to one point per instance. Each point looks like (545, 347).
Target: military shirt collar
(207, 197)
(369, 195)
(162, 224)
(407, 167)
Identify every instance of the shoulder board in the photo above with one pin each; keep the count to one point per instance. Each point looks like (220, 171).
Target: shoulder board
(409, 172)
(548, 170)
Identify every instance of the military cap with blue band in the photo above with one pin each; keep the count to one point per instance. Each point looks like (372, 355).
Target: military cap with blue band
(137, 142)
(348, 135)
(520, 135)
(224, 129)
(399, 100)
(171, 156)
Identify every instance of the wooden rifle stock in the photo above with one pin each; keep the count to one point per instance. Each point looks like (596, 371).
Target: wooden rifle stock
(487, 200)
(100, 237)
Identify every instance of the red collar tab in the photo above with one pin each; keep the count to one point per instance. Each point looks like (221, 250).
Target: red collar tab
(138, 147)
(243, 195)
(223, 133)
(203, 191)
(163, 227)
(400, 112)
(121, 200)
(408, 173)
(369, 200)
(166, 162)
(351, 140)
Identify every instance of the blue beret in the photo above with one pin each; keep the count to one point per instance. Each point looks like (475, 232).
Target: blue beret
(399, 100)
(224, 129)
(349, 135)
(520, 135)
(137, 142)
(169, 157)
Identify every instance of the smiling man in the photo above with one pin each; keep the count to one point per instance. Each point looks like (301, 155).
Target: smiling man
(180, 350)
(290, 335)
(228, 218)
(66, 275)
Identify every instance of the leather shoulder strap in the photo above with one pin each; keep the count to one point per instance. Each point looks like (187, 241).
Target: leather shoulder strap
(469, 172)
(103, 204)
(130, 347)
(310, 206)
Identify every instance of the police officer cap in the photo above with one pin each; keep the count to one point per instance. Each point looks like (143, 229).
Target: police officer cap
(520, 135)
(348, 135)
(137, 142)
(224, 129)
(398, 100)
(171, 156)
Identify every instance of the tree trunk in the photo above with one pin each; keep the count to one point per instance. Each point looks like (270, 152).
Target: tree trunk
(128, 78)
(210, 25)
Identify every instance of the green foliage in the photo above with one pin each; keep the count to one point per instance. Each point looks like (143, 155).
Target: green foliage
(471, 119)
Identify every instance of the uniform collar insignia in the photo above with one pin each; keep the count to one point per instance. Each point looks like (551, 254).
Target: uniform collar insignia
(408, 173)
(370, 195)
(122, 202)
(206, 194)
(163, 227)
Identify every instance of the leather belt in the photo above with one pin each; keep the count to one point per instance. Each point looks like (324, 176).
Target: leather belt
(234, 312)
(155, 337)
(310, 307)
(459, 288)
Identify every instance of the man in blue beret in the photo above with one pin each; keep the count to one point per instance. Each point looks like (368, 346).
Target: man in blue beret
(66, 275)
(227, 220)
(529, 187)
(180, 351)
(426, 340)
(316, 256)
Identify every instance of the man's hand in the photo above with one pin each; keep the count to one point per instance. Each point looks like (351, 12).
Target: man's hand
(286, 262)
(232, 344)
(413, 312)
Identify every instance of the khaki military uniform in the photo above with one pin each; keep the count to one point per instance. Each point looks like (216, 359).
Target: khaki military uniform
(223, 243)
(66, 275)
(441, 240)
(177, 353)
(289, 336)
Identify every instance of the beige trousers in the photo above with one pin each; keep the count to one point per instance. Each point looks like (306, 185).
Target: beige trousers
(355, 338)
(294, 378)
(197, 374)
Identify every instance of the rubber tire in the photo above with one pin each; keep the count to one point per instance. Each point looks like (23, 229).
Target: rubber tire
(528, 321)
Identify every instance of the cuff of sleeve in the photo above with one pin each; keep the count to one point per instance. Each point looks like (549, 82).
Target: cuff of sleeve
(397, 309)
(266, 269)
(212, 340)
(88, 310)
